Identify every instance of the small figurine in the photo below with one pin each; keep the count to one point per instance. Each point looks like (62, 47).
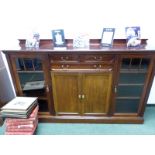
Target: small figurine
(33, 42)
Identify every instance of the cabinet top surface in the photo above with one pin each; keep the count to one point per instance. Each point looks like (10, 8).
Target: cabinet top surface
(119, 46)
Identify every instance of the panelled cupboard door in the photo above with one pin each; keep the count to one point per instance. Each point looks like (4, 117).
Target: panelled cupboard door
(81, 93)
(97, 92)
(65, 90)
(31, 78)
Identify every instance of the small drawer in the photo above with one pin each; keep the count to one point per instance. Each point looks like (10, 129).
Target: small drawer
(96, 57)
(64, 57)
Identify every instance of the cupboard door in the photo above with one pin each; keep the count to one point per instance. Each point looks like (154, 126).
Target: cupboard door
(66, 92)
(96, 89)
(131, 84)
(32, 80)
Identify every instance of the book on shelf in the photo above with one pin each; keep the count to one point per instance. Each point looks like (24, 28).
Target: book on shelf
(58, 39)
(34, 85)
(133, 36)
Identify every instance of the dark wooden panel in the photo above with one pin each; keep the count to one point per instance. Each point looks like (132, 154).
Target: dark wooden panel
(96, 89)
(66, 91)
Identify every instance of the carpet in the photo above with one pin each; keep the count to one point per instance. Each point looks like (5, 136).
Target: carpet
(148, 128)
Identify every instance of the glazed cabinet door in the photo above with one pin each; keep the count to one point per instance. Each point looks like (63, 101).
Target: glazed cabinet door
(31, 79)
(133, 84)
(96, 91)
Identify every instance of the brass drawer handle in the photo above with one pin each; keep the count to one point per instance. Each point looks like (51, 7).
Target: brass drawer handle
(95, 66)
(64, 58)
(98, 58)
(65, 66)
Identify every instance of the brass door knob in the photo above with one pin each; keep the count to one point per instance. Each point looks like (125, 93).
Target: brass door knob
(79, 96)
(83, 96)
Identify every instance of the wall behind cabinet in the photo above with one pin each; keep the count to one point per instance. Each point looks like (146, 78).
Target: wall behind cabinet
(20, 18)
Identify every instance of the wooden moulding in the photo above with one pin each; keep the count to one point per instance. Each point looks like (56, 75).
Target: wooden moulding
(94, 43)
(93, 119)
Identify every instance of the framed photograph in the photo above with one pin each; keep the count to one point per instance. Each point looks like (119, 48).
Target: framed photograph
(33, 41)
(58, 38)
(107, 37)
(133, 36)
(81, 41)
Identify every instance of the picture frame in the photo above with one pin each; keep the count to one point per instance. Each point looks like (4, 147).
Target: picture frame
(133, 36)
(107, 37)
(33, 41)
(81, 41)
(58, 38)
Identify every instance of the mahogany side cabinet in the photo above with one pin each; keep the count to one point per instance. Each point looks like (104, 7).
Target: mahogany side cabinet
(95, 85)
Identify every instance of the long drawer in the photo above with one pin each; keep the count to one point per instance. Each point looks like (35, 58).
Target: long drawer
(81, 61)
(81, 57)
(80, 66)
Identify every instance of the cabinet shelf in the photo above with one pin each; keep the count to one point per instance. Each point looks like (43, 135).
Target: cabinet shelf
(39, 93)
(42, 98)
(130, 84)
(133, 71)
(128, 97)
(29, 71)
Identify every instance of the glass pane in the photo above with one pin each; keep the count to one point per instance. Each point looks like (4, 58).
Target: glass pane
(132, 78)
(125, 63)
(127, 105)
(28, 64)
(135, 63)
(129, 91)
(32, 81)
(30, 77)
(145, 63)
(131, 81)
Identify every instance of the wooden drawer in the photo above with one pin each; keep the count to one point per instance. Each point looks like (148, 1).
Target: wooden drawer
(80, 66)
(82, 58)
(64, 57)
(97, 57)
